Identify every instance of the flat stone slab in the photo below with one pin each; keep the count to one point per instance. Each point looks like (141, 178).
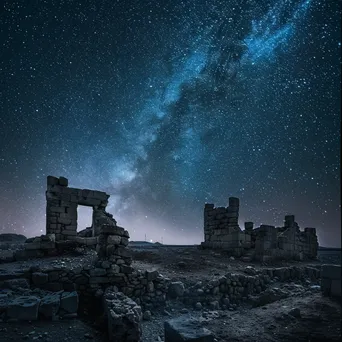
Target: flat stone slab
(186, 330)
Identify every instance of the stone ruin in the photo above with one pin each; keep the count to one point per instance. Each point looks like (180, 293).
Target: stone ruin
(61, 211)
(51, 291)
(222, 231)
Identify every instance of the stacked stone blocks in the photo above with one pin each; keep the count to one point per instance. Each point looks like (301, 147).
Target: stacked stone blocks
(61, 208)
(221, 230)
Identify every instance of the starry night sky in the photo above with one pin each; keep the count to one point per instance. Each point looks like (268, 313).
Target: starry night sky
(169, 104)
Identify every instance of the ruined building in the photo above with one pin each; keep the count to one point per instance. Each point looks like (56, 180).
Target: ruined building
(61, 210)
(222, 231)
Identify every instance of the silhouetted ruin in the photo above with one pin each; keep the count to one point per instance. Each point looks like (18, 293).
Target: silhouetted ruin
(222, 231)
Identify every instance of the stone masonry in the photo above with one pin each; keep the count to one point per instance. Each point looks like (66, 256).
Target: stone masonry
(61, 208)
(221, 230)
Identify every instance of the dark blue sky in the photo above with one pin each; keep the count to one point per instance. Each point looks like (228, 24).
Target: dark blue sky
(167, 105)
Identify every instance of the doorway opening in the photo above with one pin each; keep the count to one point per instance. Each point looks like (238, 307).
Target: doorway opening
(84, 217)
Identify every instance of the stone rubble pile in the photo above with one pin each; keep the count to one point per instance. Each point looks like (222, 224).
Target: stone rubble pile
(123, 316)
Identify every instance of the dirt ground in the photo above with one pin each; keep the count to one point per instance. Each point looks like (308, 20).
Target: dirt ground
(319, 318)
(192, 264)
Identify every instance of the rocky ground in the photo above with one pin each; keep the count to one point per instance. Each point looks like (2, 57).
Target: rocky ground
(308, 317)
(287, 312)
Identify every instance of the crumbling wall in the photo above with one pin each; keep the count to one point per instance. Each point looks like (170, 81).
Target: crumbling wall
(221, 230)
(61, 208)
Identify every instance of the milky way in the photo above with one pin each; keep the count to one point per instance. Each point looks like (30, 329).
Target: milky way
(168, 105)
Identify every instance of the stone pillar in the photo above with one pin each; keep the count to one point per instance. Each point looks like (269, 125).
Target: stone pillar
(208, 217)
(61, 213)
(234, 203)
(312, 242)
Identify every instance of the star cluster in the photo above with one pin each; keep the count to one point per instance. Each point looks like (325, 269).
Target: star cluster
(166, 105)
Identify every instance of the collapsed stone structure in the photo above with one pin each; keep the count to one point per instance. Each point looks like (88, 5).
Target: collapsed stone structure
(53, 291)
(222, 231)
(61, 209)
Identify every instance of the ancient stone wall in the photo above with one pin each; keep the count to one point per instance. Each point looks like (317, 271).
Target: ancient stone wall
(221, 230)
(61, 208)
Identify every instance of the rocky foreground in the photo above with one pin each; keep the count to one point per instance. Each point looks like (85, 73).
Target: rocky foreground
(198, 292)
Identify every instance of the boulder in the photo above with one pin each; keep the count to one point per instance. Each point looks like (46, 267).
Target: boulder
(124, 317)
(186, 330)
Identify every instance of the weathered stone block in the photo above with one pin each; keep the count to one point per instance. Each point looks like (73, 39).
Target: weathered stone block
(99, 280)
(49, 305)
(39, 278)
(97, 272)
(56, 210)
(62, 181)
(181, 330)
(52, 180)
(24, 308)
(100, 195)
(69, 302)
(67, 232)
(113, 240)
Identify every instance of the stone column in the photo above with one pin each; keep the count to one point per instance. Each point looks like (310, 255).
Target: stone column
(208, 216)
